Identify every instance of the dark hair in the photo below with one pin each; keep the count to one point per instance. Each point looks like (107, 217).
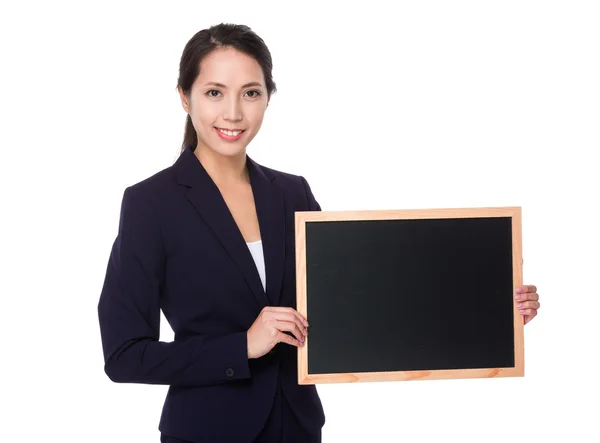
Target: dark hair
(240, 37)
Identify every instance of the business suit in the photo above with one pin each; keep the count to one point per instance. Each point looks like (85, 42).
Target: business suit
(178, 249)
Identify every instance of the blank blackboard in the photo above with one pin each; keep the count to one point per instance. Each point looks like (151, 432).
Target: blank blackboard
(413, 294)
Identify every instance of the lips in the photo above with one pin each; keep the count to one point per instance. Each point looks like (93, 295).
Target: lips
(229, 134)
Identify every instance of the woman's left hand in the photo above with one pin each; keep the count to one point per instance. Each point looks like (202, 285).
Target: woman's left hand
(527, 301)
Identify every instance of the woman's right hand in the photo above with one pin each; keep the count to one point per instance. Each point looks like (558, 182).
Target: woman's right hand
(269, 327)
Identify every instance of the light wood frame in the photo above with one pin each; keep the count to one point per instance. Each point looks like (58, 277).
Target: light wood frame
(302, 218)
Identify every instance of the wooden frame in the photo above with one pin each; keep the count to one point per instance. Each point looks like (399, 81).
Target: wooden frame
(302, 218)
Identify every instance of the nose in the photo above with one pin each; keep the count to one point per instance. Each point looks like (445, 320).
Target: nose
(233, 110)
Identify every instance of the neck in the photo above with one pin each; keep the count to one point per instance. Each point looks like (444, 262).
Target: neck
(223, 170)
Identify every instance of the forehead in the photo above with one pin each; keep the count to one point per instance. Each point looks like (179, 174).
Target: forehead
(230, 67)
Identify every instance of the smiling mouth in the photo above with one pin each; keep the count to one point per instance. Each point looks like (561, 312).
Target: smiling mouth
(230, 132)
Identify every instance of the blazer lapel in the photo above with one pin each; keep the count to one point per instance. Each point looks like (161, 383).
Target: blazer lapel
(271, 218)
(206, 198)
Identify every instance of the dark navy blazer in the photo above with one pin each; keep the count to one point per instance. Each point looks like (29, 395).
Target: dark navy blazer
(179, 249)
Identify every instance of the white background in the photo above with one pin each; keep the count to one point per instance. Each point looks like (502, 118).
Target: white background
(385, 105)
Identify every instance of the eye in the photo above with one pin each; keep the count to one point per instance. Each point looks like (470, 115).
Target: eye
(213, 93)
(253, 93)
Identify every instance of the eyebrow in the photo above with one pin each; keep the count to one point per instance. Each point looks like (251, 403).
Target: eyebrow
(221, 85)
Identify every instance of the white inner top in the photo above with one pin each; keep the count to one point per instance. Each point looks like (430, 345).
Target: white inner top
(256, 249)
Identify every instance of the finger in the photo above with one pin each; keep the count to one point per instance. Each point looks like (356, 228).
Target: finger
(523, 296)
(531, 296)
(289, 314)
(528, 305)
(528, 318)
(287, 317)
(526, 288)
(528, 312)
(284, 338)
(279, 310)
(290, 327)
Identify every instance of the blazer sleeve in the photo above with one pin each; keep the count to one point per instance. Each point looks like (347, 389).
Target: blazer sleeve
(129, 314)
(313, 205)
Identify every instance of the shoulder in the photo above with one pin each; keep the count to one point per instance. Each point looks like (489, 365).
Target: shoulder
(286, 181)
(158, 182)
(292, 185)
(282, 178)
(152, 189)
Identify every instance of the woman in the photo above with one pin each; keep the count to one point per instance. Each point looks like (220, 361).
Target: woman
(210, 241)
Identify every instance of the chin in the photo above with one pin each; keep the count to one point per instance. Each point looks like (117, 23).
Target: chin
(230, 151)
(223, 148)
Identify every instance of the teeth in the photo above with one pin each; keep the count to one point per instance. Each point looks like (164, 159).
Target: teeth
(230, 133)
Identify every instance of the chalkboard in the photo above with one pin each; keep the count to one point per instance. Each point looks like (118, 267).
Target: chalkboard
(409, 294)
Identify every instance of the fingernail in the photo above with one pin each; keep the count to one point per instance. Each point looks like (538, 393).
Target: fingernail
(517, 297)
(519, 290)
(522, 311)
(520, 305)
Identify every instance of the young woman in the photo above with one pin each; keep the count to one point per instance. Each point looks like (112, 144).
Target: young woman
(210, 241)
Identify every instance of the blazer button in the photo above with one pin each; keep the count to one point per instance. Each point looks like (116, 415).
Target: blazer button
(229, 372)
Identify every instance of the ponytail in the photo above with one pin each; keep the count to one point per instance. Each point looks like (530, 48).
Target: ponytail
(190, 138)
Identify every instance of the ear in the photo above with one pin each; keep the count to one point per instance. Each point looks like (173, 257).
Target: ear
(185, 102)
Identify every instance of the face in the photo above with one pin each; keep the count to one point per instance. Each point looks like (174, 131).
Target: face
(227, 101)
